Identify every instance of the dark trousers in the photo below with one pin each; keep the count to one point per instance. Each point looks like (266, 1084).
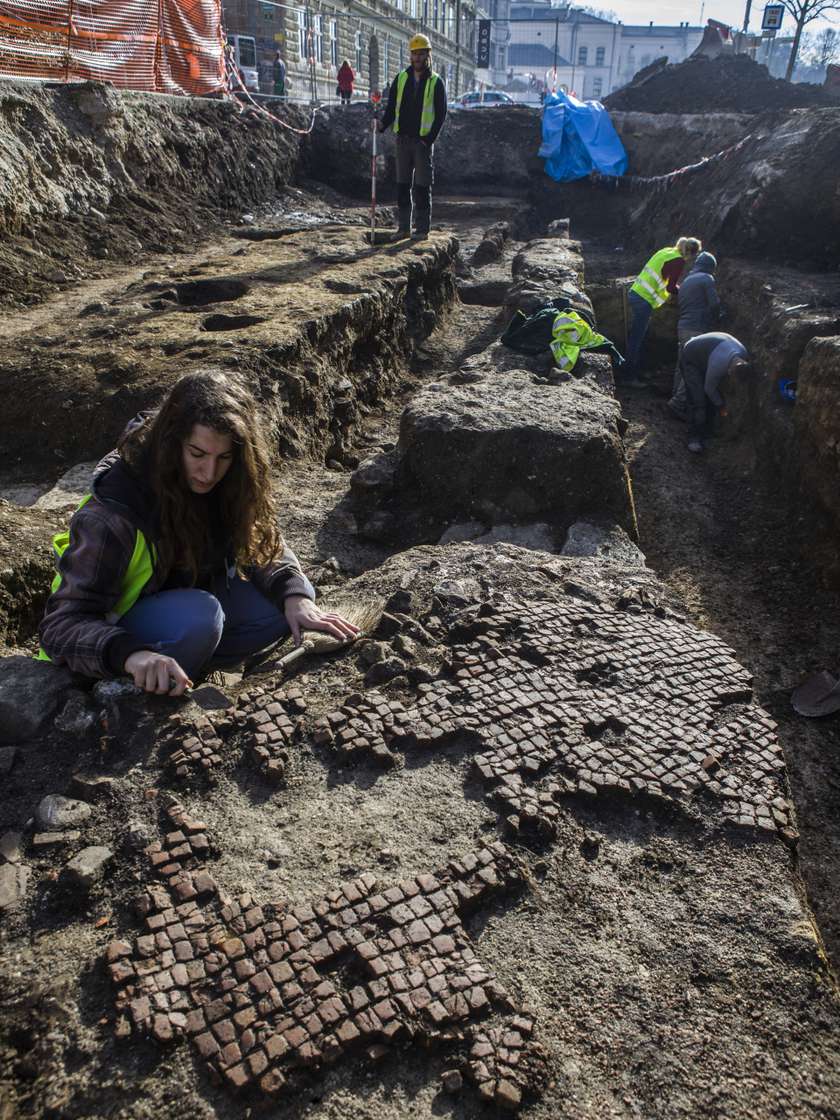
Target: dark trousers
(701, 411)
(201, 631)
(640, 313)
(415, 175)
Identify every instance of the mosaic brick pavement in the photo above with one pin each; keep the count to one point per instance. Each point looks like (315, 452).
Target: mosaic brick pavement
(579, 696)
(269, 993)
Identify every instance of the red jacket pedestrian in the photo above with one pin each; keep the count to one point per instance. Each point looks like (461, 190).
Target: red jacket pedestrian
(346, 78)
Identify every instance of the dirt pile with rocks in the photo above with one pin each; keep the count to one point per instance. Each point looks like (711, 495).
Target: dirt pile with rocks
(89, 175)
(729, 83)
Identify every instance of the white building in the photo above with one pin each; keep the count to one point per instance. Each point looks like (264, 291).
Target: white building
(566, 48)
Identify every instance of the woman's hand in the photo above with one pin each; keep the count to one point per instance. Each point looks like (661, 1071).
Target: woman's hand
(302, 614)
(154, 672)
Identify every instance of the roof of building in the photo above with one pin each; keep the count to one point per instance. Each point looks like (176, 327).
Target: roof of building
(659, 30)
(537, 55)
(533, 10)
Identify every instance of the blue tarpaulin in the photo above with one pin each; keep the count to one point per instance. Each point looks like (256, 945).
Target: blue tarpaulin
(578, 137)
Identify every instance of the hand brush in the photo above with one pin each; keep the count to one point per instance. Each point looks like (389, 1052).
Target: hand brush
(364, 614)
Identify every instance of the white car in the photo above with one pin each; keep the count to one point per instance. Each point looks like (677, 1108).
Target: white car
(482, 99)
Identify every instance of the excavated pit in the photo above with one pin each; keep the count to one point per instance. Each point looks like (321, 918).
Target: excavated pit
(537, 841)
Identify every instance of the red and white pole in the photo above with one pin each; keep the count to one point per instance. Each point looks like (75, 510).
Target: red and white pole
(373, 185)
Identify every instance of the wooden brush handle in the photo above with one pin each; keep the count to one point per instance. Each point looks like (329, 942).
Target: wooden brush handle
(295, 655)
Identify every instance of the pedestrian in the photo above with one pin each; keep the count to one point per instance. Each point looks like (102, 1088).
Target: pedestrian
(706, 360)
(279, 75)
(699, 312)
(417, 109)
(655, 285)
(346, 78)
(175, 564)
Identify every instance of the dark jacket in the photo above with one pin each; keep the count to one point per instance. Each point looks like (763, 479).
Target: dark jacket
(76, 630)
(698, 299)
(412, 104)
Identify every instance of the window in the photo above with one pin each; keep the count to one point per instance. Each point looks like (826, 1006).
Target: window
(386, 67)
(435, 12)
(582, 53)
(443, 17)
(301, 19)
(600, 54)
(425, 11)
(334, 42)
(359, 48)
(318, 38)
(597, 87)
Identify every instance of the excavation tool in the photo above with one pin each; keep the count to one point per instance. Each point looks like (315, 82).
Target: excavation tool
(819, 695)
(364, 614)
(382, 236)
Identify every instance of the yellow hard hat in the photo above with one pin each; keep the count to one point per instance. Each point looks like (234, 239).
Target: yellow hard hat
(419, 43)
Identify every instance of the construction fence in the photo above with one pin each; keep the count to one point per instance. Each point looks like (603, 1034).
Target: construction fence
(160, 46)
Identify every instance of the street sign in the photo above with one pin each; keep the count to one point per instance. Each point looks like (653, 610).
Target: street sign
(482, 58)
(772, 18)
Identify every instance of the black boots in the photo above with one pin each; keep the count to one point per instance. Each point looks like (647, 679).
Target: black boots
(422, 211)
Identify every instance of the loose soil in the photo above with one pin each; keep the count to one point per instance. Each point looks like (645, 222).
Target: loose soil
(729, 83)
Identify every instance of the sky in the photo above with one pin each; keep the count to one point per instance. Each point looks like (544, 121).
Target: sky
(675, 11)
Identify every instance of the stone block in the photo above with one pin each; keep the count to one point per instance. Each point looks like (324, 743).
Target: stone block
(30, 693)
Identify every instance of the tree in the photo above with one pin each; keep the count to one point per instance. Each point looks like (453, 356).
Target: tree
(826, 47)
(804, 12)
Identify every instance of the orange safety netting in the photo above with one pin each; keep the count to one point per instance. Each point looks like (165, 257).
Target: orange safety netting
(163, 46)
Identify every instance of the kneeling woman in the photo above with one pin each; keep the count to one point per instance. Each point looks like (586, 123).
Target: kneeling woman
(175, 564)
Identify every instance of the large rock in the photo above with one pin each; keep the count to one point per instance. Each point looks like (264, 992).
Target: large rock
(30, 692)
(512, 449)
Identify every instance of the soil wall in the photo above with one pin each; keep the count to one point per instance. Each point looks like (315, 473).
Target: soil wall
(89, 175)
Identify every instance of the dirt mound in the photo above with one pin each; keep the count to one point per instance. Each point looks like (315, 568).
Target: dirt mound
(732, 83)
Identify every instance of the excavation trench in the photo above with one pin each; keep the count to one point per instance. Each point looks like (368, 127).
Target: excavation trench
(287, 869)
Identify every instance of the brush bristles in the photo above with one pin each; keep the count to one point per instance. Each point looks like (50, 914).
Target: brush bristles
(365, 615)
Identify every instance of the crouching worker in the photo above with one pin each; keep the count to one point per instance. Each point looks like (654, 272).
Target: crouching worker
(174, 564)
(705, 361)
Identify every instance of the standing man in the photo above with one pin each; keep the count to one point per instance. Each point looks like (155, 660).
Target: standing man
(416, 108)
(699, 312)
(279, 75)
(706, 360)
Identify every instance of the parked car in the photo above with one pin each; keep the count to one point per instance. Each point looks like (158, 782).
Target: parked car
(481, 99)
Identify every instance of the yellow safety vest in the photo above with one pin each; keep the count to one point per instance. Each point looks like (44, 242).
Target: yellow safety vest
(427, 113)
(571, 334)
(137, 574)
(650, 284)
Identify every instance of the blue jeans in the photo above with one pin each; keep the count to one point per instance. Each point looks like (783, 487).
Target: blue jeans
(201, 631)
(640, 313)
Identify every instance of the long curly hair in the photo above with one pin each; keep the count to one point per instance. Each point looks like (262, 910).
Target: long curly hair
(154, 449)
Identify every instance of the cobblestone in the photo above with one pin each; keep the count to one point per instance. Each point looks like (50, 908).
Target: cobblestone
(269, 993)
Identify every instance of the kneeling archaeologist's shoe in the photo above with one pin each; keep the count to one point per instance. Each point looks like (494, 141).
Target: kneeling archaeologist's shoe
(420, 235)
(695, 445)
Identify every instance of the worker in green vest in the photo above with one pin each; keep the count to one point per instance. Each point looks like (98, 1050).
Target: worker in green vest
(175, 562)
(655, 285)
(416, 109)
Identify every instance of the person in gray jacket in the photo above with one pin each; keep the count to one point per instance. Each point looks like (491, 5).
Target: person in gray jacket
(706, 360)
(699, 311)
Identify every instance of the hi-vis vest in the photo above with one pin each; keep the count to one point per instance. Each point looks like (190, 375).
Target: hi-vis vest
(427, 113)
(569, 336)
(649, 283)
(137, 574)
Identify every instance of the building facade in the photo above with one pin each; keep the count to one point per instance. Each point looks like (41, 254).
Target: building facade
(314, 38)
(572, 50)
